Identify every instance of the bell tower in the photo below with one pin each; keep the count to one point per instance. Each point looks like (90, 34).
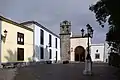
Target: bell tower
(65, 31)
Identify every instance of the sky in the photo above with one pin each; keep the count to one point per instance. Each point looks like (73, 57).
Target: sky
(50, 13)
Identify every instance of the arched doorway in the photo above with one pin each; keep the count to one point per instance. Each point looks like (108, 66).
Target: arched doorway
(80, 54)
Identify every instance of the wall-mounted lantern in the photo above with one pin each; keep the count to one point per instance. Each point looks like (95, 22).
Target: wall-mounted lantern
(48, 45)
(97, 50)
(5, 33)
(71, 49)
(4, 36)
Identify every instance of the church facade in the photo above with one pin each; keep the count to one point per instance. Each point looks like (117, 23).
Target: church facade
(72, 47)
(78, 47)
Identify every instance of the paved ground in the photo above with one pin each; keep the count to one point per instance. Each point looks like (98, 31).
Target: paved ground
(7, 74)
(65, 72)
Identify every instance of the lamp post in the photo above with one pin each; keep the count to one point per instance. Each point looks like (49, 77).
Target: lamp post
(88, 60)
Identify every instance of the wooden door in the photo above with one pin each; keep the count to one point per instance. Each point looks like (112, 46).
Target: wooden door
(20, 54)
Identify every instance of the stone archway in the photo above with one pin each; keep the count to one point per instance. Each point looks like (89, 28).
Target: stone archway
(79, 54)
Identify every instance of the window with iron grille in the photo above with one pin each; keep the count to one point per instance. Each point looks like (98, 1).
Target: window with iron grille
(20, 38)
(56, 55)
(41, 37)
(97, 56)
(50, 54)
(41, 52)
(56, 43)
(50, 40)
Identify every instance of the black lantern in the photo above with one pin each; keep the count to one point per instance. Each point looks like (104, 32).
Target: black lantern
(88, 28)
(5, 32)
(82, 30)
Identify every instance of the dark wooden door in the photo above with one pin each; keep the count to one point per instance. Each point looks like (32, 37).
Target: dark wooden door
(79, 54)
(20, 54)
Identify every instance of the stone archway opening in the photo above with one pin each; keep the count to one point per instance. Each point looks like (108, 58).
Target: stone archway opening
(80, 54)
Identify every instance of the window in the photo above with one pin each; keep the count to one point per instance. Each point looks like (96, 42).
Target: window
(106, 60)
(63, 27)
(50, 40)
(97, 50)
(50, 54)
(41, 37)
(20, 38)
(67, 29)
(55, 42)
(56, 55)
(42, 52)
(97, 56)
(20, 54)
(67, 26)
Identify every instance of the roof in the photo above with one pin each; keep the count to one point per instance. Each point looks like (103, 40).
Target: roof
(38, 24)
(14, 23)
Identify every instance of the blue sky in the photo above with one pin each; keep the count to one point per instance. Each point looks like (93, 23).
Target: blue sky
(51, 12)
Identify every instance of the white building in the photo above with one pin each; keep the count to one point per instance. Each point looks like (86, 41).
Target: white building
(78, 46)
(99, 53)
(46, 43)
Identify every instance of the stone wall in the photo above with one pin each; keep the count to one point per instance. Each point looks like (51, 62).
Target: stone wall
(65, 47)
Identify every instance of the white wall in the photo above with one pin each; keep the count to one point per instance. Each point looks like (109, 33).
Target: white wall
(37, 41)
(46, 43)
(74, 42)
(100, 48)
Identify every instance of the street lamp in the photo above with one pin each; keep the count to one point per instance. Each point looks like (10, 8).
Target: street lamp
(88, 60)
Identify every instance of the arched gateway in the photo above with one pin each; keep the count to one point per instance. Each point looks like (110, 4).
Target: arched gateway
(79, 54)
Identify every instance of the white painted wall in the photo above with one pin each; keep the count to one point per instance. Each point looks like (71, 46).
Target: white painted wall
(100, 48)
(46, 43)
(74, 42)
(37, 41)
